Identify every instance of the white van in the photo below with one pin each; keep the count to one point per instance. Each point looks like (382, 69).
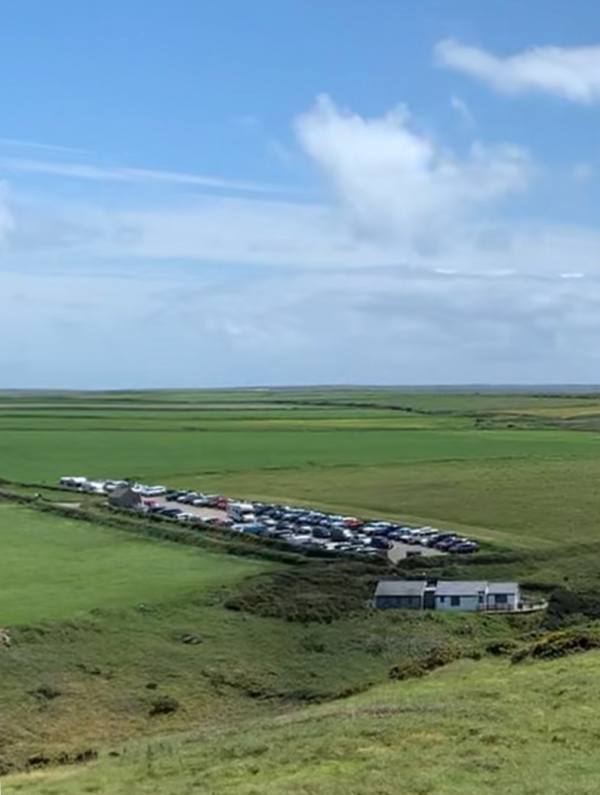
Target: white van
(241, 512)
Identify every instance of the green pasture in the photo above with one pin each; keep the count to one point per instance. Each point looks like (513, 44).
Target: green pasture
(526, 502)
(99, 620)
(53, 568)
(98, 616)
(181, 456)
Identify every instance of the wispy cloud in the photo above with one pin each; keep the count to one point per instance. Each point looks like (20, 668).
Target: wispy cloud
(6, 217)
(88, 171)
(463, 110)
(572, 73)
(18, 143)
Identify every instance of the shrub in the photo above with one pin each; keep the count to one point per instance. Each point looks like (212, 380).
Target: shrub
(558, 644)
(164, 705)
(317, 592)
(564, 604)
(46, 692)
(502, 647)
(436, 658)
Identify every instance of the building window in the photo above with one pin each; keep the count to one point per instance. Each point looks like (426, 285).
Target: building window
(455, 601)
(501, 598)
(442, 599)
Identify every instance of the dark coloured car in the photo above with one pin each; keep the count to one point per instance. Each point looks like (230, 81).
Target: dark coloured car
(380, 543)
(447, 543)
(464, 547)
(171, 513)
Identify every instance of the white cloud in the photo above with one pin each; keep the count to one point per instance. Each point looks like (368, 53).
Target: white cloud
(370, 325)
(401, 197)
(396, 182)
(410, 275)
(572, 73)
(463, 110)
(89, 171)
(6, 217)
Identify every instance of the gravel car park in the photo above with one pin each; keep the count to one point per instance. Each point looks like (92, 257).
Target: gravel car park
(303, 528)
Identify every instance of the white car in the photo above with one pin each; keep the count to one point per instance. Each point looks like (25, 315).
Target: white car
(187, 517)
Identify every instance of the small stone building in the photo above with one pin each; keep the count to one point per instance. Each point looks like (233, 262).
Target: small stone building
(124, 497)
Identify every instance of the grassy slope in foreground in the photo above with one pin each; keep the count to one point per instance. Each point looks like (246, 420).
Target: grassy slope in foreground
(53, 568)
(472, 728)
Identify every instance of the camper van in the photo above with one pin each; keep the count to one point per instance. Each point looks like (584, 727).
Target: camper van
(73, 482)
(241, 512)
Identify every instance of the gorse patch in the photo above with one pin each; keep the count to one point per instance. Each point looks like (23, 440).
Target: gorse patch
(316, 592)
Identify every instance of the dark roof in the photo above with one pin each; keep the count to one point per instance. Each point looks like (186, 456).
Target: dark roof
(124, 492)
(400, 588)
(120, 491)
(460, 587)
(503, 587)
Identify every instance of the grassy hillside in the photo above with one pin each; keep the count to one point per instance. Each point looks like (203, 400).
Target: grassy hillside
(107, 626)
(472, 728)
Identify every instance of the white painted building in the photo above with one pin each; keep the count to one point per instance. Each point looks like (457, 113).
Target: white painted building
(463, 595)
(503, 596)
(451, 595)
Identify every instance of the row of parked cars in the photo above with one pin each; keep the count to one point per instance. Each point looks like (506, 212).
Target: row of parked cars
(83, 484)
(298, 527)
(311, 528)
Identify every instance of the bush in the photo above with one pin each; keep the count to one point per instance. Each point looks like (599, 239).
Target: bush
(436, 658)
(502, 647)
(558, 644)
(46, 692)
(164, 705)
(564, 604)
(317, 592)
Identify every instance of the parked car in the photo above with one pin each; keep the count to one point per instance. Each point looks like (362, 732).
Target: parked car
(380, 543)
(464, 546)
(170, 513)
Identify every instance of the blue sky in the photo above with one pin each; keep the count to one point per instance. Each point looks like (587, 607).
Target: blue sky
(234, 193)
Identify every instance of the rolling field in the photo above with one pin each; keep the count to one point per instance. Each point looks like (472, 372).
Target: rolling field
(456, 460)
(104, 625)
(53, 568)
(182, 456)
(99, 617)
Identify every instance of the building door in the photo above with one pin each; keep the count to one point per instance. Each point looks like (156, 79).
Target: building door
(429, 599)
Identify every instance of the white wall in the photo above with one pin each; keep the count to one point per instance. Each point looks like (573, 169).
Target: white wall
(511, 604)
(467, 603)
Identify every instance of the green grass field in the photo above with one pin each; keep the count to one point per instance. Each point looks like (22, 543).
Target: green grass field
(184, 456)
(53, 568)
(98, 620)
(471, 461)
(97, 615)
